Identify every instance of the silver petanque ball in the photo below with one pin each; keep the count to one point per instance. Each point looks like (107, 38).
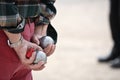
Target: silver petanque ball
(40, 56)
(45, 41)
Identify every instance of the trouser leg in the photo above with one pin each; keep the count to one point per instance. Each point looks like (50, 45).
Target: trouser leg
(114, 20)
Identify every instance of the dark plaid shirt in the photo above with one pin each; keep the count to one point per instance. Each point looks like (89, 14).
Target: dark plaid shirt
(12, 10)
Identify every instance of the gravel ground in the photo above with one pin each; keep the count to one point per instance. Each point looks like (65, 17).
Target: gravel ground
(84, 35)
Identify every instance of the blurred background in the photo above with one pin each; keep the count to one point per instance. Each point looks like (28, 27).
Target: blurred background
(83, 36)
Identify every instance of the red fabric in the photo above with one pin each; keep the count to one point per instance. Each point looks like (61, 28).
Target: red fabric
(28, 31)
(10, 65)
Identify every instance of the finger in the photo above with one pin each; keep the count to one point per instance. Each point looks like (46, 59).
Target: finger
(35, 40)
(29, 61)
(36, 47)
(32, 58)
(38, 66)
(47, 49)
(52, 50)
(41, 68)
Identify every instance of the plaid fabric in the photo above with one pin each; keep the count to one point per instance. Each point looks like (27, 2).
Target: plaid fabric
(11, 10)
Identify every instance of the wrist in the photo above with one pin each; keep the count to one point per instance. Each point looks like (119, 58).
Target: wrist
(15, 44)
(41, 30)
(14, 39)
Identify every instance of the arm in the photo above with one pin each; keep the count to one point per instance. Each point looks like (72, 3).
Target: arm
(16, 37)
(48, 11)
(22, 49)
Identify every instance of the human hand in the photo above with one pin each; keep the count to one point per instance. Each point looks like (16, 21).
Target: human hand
(35, 38)
(40, 31)
(21, 51)
(49, 50)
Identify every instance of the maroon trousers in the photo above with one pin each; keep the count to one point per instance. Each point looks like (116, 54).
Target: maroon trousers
(10, 65)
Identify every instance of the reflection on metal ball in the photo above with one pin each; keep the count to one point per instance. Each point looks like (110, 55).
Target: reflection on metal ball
(40, 56)
(45, 41)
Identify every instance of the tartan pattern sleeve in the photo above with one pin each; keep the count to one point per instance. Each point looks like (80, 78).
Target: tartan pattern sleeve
(12, 10)
(47, 12)
(8, 14)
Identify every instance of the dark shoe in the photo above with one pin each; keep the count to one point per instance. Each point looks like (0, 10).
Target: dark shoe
(114, 54)
(116, 63)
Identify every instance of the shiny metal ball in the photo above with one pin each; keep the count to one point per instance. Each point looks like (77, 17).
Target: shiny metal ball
(45, 41)
(40, 56)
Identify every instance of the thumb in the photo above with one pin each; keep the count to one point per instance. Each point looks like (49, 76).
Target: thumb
(36, 47)
(35, 40)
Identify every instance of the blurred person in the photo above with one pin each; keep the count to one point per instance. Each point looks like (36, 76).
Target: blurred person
(114, 17)
(22, 23)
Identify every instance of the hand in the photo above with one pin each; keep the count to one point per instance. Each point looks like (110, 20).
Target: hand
(40, 31)
(21, 51)
(35, 38)
(49, 50)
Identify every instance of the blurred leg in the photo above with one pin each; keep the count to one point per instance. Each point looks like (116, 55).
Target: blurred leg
(115, 31)
(116, 38)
